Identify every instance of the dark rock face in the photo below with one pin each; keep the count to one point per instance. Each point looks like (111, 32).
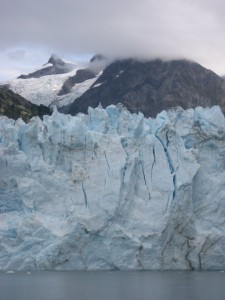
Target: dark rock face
(152, 86)
(14, 106)
(58, 67)
(84, 74)
(55, 60)
(97, 57)
(80, 76)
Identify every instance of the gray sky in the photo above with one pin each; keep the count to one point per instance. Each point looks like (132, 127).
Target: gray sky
(31, 30)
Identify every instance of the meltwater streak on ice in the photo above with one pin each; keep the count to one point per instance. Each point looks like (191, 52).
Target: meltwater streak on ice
(113, 190)
(113, 286)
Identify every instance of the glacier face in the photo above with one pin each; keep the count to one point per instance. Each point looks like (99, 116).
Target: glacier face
(113, 190)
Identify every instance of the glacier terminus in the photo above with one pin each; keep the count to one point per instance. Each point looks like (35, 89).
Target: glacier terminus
(113, 190)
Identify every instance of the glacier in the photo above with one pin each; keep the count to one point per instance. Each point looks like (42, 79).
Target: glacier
(113, 190)
(44, 90)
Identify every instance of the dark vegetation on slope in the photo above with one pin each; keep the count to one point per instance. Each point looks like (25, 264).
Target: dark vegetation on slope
(152, 86)
(14, 106)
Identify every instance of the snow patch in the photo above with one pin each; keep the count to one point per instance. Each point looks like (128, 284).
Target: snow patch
(97, 84)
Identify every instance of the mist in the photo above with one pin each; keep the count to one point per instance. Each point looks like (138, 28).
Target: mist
(145, 29)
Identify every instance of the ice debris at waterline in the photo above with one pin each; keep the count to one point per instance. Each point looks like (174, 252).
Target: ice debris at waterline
(113, 190)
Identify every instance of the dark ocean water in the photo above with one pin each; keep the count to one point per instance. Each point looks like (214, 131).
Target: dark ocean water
(118, 285)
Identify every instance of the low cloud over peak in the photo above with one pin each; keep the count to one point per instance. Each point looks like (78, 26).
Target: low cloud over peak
(149, 29)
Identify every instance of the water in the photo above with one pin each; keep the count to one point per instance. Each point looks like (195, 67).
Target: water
(112, 286)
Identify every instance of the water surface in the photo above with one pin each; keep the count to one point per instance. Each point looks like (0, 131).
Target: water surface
(118, 285)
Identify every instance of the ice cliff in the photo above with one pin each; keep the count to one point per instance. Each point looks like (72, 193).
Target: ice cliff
(113, 190)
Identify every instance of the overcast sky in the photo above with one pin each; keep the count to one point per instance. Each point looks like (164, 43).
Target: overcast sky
(30, 30)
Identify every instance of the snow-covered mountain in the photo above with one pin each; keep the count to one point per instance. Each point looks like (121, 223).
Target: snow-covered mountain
(145, 86)
(44, 85)
(113, 190)
(44, 90)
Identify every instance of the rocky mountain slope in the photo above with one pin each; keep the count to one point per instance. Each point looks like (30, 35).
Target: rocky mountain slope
(151, 86)
(14, 106)
(146, 86)
(97, 64)
(112, 190)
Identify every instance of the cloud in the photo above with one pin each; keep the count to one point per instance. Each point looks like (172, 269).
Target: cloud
(17, 61)
(192, 29)
(16, 54)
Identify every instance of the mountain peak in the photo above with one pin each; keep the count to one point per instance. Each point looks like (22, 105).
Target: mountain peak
(58, 66)
(97, 57)
(55, 59)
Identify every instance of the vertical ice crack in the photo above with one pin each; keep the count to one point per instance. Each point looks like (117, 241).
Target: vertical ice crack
(85, 195)
(174, 185)
(200, 253)
(104, 184)
(208, 243)
(170, 162)
(143, 172)
(189, 249)
(106, 159)
(168, 157)
(154, 161)
(138, 257)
